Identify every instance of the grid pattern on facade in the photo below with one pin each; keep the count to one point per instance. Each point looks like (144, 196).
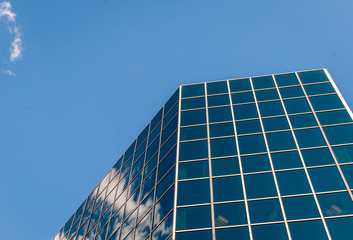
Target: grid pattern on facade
(135, 199)
(265, 156)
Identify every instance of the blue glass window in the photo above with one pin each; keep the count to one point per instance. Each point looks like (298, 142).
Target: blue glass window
(156, 120)
(164, 229)
(297, 105)
(272, 231)
(326, 179)
(243, 97)
(193, 217)
(312, 76)
(326, 102)
(217, 87)
(204, 235)
(240, 85)
(334, 117)
(255, 163)
(260, 185)
(170, 115)
(339, 134)
(193, 117)
(271, 108)
(303, 120)
(263, 82)
(193, 192)
(166, 163)
(321, 88)
(265, 211)
(219, 114)
(270, 94)
(171, 102)
(225, 166)
(335, 204)
(193, 169)
(190, 133)
(193, 103)
(164, 206)
(144, 227)
(223, 147)
(165, 183)
(313, 230)
(221, 129)
(280, 141)
(227, 189)
(289, 92)
(193, 90)
(276, 123)
(293, 182)
(228, 233)
(286, 79)
(230, 214)
(344, 154)
(310, 138)
(252, 144)
(218, 100)
(193, 150)
(245, 111)
(339, 227)
(348, 173)
(251, 126)
(317, 156)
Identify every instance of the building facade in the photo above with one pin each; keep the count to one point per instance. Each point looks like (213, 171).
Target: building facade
(267, 157)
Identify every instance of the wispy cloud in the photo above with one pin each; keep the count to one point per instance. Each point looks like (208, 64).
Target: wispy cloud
(9, 17)
(8, 72)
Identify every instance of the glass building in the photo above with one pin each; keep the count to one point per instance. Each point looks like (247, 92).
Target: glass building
(267, 157)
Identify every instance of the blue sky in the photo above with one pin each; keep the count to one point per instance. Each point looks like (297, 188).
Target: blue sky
(87, 76)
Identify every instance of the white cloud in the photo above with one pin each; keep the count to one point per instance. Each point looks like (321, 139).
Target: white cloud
(7, 16)
(8, 72)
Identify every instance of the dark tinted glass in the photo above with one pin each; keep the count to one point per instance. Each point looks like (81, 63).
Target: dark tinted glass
(273, 232)
(193, 217)
(245, 111)
(286, 79)
(289, 92)
(252, 144)
(339, 134)
(326, 102)
(229, 233)
(204, 235)
(310, 138)
(293, 182)
(271, 108)
(219, 114)
(240, 85)
(230, 214)
(193, 90)
(218, 100)
(190, 133)
(297, 105)
(280, 141)
(223, 147)
(326, 179)
(193, 192)
(317, 156)
(320, 88)
(303, 120)
(227, 189)
(193, 103)
(348, 173)
(263, 82)
(243, 97)
(339, 227)
(260, 185)
(313, 230)
(193, 117)
(344, 154)
(171, 102)
(196, 169)
(251, 126)
(164, 229)
(193, 150)
(225, 166)
(221, 129)
(163, 206)
(335, 204)
(334, 117)
(313, 76)
(217, 87)
(263, 95)
(265, 211)
(276, 123)
(255, 163)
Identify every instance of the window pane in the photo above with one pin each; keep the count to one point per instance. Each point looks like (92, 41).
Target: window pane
(190, 133)
(321, 88)
(204, 235)
(193, 117)
(263, 82)
(348, 173)
(245, 111)
(193, 150)
(165, 183)
(340, 228)
(219, 114)
(227, 189)
(193, 103)
(164, 229)
(252, 144)
(240, 85)
(193, 192)
(144, 227)
(217, 87)
(297, 105)
(223, 147)
(300, 207)
(230, 214)
(344, 154)
(255, 163)
(285, 160)
(326, 102)
(272, 231)
(313, 230)
(164, 206)
(264, 95)
(303, 120)
(221, 129)
(260, 185)
(265, 211)
(280, 141)
(243, 97)
(225, 166)
(339, 134)
(326, 179)
(271, 108)
(189, 170)
(193, 90)
(318, 156)
(335, 204)
(193, 217)
(241, 233)
(293, 182)
(310, 138)
(276, 123)
(312, 76)
(286, 79)
(289, 92)
(251, 126)
(334, 117)
(218, 100)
